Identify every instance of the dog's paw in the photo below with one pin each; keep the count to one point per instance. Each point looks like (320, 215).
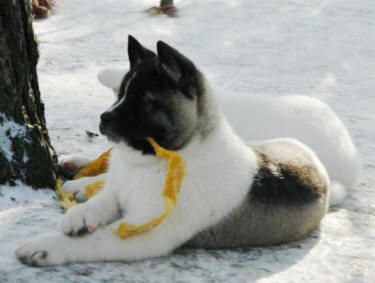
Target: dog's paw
(79, 220)
(77, 187)
(70, 164)
(42, 251)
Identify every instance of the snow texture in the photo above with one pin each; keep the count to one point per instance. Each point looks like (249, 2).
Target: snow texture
(323, 48)
(9, 129)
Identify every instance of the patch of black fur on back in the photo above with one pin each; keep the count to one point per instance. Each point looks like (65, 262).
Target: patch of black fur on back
(286, 184)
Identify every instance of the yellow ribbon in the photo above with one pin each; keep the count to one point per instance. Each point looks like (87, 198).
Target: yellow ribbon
(94, 168)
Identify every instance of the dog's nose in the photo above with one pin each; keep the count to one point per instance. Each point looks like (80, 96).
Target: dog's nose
(107, 117)
(106, 120)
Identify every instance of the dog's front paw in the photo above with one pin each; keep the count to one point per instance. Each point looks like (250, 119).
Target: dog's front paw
(42, 251)
(77, 187)
(79, 220)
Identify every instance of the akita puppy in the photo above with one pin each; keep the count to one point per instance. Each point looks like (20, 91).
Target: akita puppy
(233, 195)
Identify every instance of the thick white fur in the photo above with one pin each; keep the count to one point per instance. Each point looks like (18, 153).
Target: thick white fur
(304, 118)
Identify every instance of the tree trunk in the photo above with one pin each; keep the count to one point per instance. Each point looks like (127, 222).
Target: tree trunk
(26, 153)
(166, 2)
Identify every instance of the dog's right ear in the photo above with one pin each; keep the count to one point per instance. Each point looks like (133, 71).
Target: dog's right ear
(137, 53)
(178, 68)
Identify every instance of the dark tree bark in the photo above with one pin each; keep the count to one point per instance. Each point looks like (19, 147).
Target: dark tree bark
(26, 153)
(166, 2)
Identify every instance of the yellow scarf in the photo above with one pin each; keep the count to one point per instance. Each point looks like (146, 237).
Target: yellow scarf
(176, 171)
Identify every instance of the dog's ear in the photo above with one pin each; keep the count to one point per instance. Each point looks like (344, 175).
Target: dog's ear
(137, 53)
(176, 66)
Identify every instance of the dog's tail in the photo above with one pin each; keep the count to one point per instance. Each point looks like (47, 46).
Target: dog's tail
(337, 194)
(111, 77)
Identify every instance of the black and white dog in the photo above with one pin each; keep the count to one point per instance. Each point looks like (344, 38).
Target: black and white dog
(232, 195)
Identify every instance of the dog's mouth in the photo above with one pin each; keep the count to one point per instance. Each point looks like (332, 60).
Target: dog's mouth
(112, 135)
(138, 142)
(111, 132)
(108, 132)
(114, 138)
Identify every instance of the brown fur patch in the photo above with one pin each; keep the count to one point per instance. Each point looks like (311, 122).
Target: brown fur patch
(286, 183)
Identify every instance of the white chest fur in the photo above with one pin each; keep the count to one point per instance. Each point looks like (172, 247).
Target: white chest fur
(138, 184)
(218, 177)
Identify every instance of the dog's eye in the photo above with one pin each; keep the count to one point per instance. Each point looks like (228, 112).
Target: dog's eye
(120, 95)
(147, 103)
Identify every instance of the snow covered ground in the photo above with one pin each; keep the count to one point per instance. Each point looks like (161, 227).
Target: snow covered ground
(322, 48)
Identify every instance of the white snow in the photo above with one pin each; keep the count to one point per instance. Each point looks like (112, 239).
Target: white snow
(10, 129)
(323, 48)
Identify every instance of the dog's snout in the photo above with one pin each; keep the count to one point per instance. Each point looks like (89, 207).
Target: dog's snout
(107, 117)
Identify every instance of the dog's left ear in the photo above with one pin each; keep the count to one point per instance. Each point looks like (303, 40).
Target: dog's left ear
(137, 53)
(176, 66)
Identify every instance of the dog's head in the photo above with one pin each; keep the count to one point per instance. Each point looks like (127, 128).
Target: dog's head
(159, 97)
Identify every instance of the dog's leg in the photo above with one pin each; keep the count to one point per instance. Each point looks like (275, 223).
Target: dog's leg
(103, 245)
(101, 209)
(77, 187)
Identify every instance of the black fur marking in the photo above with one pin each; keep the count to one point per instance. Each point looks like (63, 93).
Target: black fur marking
(137, 53)
(82, 231)
(290, 185)
(28, 260)
(24, 259)
(179, 68)
(44, 255)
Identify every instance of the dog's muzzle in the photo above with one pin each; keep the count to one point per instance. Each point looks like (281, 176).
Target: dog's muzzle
(106, 122)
